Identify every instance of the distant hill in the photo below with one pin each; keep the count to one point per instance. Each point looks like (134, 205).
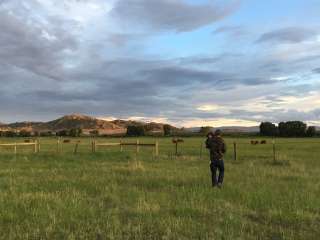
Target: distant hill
(86, 123)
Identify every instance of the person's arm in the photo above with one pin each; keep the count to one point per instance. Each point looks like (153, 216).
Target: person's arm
(208, 144)
(224, 147)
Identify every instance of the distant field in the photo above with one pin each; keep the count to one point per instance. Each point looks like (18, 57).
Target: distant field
(121, 195)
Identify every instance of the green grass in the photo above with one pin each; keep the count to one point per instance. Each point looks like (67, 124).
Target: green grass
(121, 195)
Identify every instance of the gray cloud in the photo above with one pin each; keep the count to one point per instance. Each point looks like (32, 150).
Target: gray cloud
(34, 46)
(94, 78)
(288, 35)
(316, 70)
(175, 15)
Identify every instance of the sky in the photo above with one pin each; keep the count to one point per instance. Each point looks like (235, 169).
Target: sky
(184, 62)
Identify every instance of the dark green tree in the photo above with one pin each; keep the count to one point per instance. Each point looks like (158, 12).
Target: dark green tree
(10, 134)
(62, 133)
(268, 129)
(167, 130)
(311, 131)
(94, 133)
(135, 131)
(24, 133)
(292, 129)
(46, 134)
(75, 132)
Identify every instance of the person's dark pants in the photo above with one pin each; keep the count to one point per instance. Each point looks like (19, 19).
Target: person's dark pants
(214, 166)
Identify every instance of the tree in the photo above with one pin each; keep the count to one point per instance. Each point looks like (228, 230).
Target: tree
(205, 130)
(292, 129)
(167, 129)
(135, 131)
(24, 133)
(62, 133)
(268, 129)
(94, 132)
(46, 134)
(10, 134)
(311, 131)
(75, 132)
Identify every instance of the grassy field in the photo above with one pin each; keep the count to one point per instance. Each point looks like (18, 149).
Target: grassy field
(121, 195)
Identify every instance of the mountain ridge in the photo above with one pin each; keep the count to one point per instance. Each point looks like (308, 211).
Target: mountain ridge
(86, 123)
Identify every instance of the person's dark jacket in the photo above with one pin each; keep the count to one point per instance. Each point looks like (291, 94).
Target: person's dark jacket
(217, 147)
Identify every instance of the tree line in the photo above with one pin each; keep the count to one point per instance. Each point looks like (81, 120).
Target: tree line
(287, 129)
(75, 132)
(144, 130)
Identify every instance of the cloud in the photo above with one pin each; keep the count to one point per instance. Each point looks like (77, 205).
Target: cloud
(288, 35)
(316, 70)
(234, 31)
(172, 15)
(82, 56)
(33, 45)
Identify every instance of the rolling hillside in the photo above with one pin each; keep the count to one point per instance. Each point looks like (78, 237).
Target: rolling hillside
(86, 123)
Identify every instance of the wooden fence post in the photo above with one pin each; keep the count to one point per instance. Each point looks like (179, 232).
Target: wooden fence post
(235, 151)
(274, 150)
(15, 148)
(58, 145)
(76, 147)
(35, 146)
(93, 146)
(176, 148)
(137, 146)
(121, 146)
(39, 147)
(201, 146)
(157, 148)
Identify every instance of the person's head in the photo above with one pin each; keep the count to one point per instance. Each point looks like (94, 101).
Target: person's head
(218, 132)
(210, 135)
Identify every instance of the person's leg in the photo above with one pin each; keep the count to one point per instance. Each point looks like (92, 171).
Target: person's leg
(213, 168)
(221, 172)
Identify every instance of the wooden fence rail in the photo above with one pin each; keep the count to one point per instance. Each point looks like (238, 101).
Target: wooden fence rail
(137, 144)
(36, 146)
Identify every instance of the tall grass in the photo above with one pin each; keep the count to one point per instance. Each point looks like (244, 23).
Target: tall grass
(121, 195)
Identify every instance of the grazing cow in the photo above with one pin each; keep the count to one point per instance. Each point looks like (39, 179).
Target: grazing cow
(263, 142)
(27, 141)
(177, 140)
(66, 141)
(254, 142)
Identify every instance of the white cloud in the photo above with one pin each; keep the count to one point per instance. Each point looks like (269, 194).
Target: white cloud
(219, 122)
(281, 78)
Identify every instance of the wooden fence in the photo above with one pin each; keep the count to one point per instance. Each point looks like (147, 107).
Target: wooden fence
(35, 146)
(137, 145)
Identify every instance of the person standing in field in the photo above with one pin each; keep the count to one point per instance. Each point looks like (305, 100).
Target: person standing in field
(217, 148)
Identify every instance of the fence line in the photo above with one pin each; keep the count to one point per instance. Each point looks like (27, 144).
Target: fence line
(36, 146)
(167, 149)
(137, 144)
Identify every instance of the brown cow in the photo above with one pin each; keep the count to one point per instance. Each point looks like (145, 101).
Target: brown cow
(177, 140)
(27, 141)
(66, 141)
(263, 142)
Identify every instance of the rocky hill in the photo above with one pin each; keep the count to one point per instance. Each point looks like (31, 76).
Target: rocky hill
(78, 121)
(86, 123)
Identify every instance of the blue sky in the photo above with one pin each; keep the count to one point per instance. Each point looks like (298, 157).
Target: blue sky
(185, 62)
